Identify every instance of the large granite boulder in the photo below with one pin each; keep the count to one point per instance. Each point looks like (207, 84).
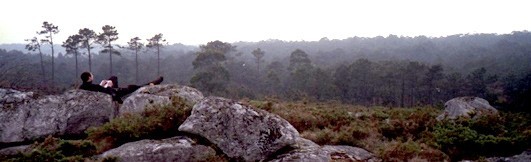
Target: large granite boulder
(172, 149)
(67, 114)
(158, 95)
(468, 107)
(10, 98)
(240, 131)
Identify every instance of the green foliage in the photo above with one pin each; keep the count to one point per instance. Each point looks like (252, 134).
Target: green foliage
(406, 123)
(267, 105)
(258, 54)
(156, 42)
(211, 76)
(54, 149)
(105, 39)
(155, 122)
(403, 134)
(486, 136)
(406, 151)
(299, 60)
(212, 80)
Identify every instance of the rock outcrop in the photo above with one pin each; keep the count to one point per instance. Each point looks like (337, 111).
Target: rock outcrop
(523, 157)
(241, 132)
(67, 114)
(172, 149)
(158, 95)
(468, 107)
(12, 151)
(307, 151)
(349, 153)
(10, 98)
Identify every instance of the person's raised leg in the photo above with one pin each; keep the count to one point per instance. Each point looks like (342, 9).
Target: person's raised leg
(155, 82)
(121, 92)
(114, 80)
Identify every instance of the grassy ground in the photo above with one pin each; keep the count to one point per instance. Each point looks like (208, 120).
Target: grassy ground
(404, 134)
(393, 134)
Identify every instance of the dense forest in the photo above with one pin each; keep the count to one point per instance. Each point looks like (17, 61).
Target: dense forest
(390, 71)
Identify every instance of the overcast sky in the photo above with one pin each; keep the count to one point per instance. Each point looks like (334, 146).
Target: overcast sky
(194, 22)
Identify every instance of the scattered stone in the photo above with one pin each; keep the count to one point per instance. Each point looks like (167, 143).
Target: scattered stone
(523, 157)
(12, 151)
(327, 153)
(468, 107)
(172, 149)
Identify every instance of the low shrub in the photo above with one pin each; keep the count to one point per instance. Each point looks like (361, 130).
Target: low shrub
(155, 122)
(485, 136)
(401, 131)
(403, 124)
(54, 149)
(352, 134)
(310, 116)
(264, 105)
(406, 151)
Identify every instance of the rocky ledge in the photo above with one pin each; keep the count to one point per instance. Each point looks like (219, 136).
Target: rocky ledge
(231, 129)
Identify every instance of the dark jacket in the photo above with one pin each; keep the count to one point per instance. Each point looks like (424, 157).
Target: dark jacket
(97, 88)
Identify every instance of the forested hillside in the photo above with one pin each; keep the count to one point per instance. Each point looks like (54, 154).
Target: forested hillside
(385, 71)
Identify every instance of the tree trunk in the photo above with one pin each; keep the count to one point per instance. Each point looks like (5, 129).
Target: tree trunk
(158, 61)
(430, 93)
(75, 53)
(402, 93)
(89, 57)
(258, 66)
(413, 92)
(110, 59)
(136, 61)
(53, 65)
(42, 65)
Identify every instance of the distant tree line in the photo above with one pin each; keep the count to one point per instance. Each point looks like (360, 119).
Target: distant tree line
(365, 82)
(386, 71)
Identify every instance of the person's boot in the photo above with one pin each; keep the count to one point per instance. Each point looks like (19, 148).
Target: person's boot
(157, 81)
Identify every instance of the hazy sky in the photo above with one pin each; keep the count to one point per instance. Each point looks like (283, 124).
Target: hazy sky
(194, 22)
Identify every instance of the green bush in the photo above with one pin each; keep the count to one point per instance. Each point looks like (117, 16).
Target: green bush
(406, 124)
(54, 149)
(155, 122)
(304, 116)
(405, 151)
(403, 128)
(486, 136)
(352, 135)
(489, 124)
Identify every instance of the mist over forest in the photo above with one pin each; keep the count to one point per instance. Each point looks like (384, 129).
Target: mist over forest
(387, 71)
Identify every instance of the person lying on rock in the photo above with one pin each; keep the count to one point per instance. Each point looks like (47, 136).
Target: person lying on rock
(110, 86)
